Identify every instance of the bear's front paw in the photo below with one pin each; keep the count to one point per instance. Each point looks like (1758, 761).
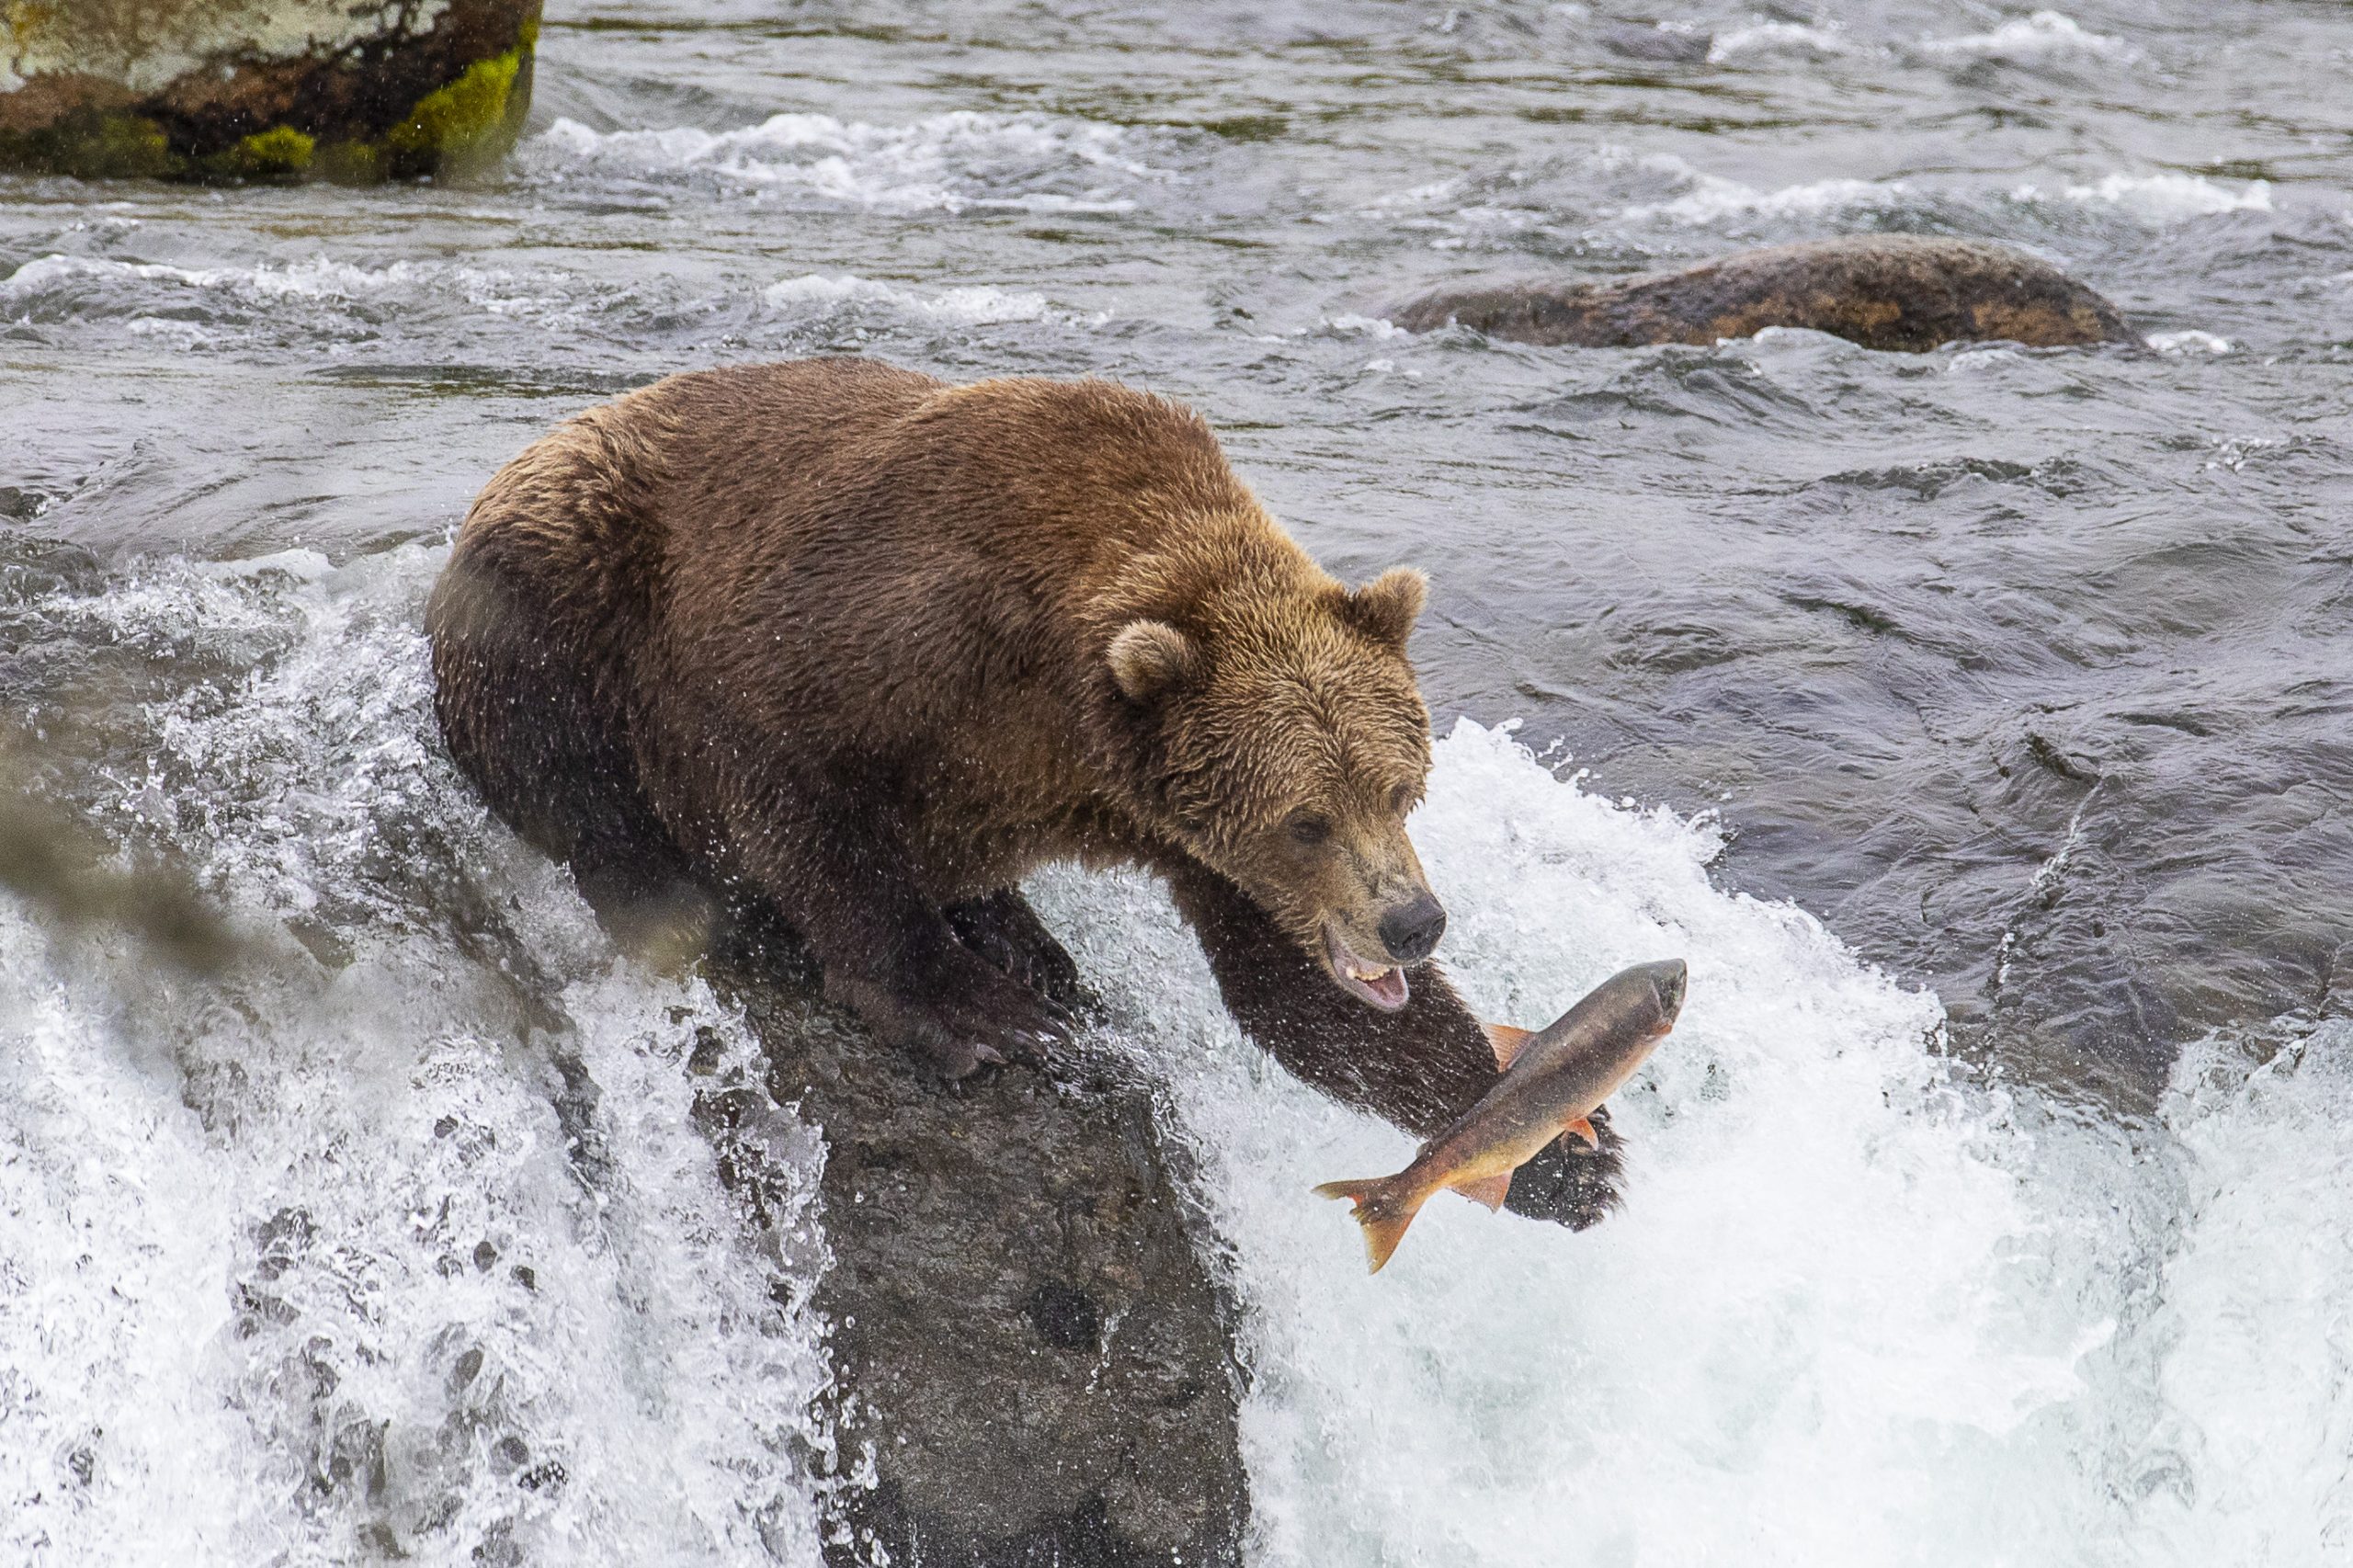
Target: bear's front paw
(1567, 1182)
(962, 1014)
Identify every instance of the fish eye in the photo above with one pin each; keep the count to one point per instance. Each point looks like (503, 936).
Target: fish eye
(1308, 828)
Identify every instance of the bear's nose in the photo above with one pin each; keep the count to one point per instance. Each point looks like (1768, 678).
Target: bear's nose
(1411, 930)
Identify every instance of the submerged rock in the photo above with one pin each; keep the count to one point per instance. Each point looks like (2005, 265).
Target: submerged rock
(1891, 291)
(263, 90)
(1023, 1336)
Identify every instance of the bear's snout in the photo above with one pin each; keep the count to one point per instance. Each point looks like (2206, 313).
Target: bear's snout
(1411, 931)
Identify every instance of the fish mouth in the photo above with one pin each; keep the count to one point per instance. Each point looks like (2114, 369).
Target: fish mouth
(1671, 978)
(1380, 985)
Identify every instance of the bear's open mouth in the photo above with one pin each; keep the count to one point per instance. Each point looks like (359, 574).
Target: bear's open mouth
(1382, 985)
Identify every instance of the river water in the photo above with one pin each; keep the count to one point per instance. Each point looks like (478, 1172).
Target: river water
(1979, 724)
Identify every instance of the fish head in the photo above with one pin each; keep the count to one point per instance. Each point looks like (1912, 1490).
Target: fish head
(1666, 979)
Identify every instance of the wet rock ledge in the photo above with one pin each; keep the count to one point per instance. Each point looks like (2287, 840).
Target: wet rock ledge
(350, 90)
(1904, 293)
(1023, 1334)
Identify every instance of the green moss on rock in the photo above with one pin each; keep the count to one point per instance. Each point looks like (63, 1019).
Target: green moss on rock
(284, 118)
(128, 145)
(349, 163)
(94, 146)
(280, 153)
(460, 127)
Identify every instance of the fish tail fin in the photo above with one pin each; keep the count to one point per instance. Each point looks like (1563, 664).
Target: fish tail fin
(1384, 1208)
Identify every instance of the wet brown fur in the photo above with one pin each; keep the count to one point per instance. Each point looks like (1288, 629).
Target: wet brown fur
(872, 647)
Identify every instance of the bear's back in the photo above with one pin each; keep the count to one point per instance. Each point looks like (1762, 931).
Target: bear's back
(862, 494)
(1036, 477)
(799, 527)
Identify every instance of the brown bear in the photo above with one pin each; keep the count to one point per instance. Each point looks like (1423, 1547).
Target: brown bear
(870, 647)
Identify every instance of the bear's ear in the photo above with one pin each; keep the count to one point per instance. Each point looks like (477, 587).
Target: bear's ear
(1150, 658)
(1385, 609)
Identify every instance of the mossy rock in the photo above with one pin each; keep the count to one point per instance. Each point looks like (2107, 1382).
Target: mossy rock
(466, 127)
(1903, 293)
(92, 145)
(281, 153)
(264, 90)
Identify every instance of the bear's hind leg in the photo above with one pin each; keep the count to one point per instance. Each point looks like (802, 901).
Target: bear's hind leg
(829, 852)
(1419, 1067)
(523, 720)
(1004, 929)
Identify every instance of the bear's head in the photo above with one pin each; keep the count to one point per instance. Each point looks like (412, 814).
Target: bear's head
(1286, 740)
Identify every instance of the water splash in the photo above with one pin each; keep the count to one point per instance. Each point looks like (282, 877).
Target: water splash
(946, 163)
(2161, 198)
(819, 297)
(398, 1239)
(2041, 36)
(401, 1240)
(1863, 1305)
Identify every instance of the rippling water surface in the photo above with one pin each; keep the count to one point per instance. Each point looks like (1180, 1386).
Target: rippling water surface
(1979, 722)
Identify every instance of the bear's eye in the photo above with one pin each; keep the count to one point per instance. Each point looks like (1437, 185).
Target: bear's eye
(1306, 827)
(1400, 799)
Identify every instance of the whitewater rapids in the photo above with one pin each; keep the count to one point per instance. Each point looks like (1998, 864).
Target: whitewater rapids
(399, 1240)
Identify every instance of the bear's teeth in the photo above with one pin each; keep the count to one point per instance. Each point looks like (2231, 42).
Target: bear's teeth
(1361, 973)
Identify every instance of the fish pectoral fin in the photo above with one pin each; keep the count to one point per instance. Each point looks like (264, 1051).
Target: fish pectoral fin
(1489, 1191)
(1507, 1039)
(1581, 1127)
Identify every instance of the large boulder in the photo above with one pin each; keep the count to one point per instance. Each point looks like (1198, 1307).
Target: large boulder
(263, 90)
(1025, 1338)
(1892, 291)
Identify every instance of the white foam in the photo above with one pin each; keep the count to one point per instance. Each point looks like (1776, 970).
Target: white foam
(2188, 340)
(2036, 37)
(2159, 198)
(1712, 197)
(1421, 196)
(317, 277)
(973, 305)
(1775, 37)
(1498, 220)
(949, 163)
(342, 292)
(111, 1291)
(1862, 1306)
(259, 1299)
(1972, 358)
(2251, 1324)
(1859, 1308)
(1347, 323)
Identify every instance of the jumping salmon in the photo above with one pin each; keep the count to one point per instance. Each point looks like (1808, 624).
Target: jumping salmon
(1552, 1081)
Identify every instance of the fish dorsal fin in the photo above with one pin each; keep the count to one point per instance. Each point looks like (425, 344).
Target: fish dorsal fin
(1583, 1129)
(1506, 1039)
(1489, 1191)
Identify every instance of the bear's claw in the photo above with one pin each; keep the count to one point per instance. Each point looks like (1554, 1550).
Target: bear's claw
(962, 1014)
(1002, 928)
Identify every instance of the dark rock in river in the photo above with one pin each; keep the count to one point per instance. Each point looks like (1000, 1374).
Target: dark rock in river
(264, 89)
(1021, 1328)
(1891, 292)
